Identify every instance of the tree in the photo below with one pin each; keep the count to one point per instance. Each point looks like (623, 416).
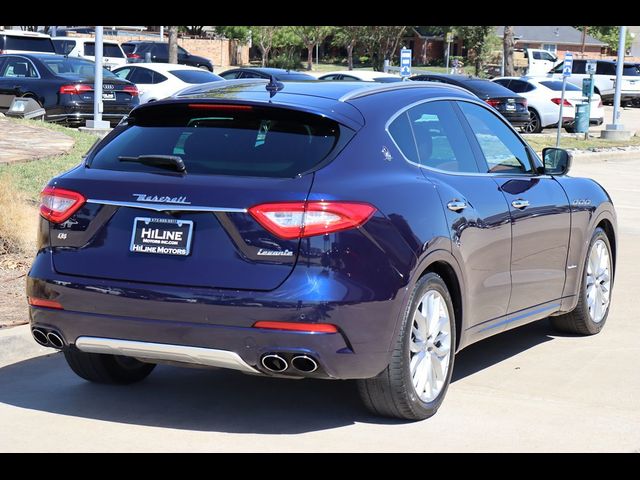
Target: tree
(348, 37)
(242, 33)
(310, 36)
(262, 36)
(173, 44)
(382, 42)
(609, 35)
(193, 30)
(508, 43)
(476, 40)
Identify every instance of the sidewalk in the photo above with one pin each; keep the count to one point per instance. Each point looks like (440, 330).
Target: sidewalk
(20, 142)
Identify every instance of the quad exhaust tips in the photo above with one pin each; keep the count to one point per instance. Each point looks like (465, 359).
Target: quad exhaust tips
(276, 363)
(40, 336)
(304, 363)
(47, 338)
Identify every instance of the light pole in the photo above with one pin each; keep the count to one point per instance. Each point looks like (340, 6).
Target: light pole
(616, 131)
(97, 122)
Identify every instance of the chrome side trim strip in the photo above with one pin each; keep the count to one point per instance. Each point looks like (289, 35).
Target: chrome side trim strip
(162, 351)
(164, 207)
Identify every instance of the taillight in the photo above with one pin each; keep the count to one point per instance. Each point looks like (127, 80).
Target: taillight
(297, 326)
(131, 89)
(75, 88)
(292, 220)
(219, 106)
(133, 55)
(58, 204)
(44, 303)
(494, 102)
(558, 100)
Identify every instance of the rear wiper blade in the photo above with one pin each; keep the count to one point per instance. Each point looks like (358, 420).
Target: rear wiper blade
(163, 161)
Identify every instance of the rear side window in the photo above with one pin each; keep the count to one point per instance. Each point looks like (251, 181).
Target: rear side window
(556, 86)
(108, 50)
(64, 47)
(195, 76)
(29, 44)
(215, 139)
(631, 70)
(520, 86)
(128, 47)
(605, 68)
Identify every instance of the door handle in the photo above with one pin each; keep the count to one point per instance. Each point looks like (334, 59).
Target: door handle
(456, 205)
(520, 204)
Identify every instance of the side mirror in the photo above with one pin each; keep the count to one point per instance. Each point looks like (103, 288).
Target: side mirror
(556, 161)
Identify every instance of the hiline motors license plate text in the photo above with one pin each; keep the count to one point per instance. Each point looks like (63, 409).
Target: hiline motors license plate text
(162, 236)
(108, 95)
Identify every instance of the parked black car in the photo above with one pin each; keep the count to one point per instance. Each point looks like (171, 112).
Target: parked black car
(512, 106)
(136, 51)
(279, 73)
(64, 87)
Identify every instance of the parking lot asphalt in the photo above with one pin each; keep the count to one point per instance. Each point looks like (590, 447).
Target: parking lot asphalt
(529, 389)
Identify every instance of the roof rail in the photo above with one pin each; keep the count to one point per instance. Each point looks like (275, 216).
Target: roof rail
(389, 87)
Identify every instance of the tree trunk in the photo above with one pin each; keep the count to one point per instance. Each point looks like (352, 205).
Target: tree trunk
(173, 44)
(478, 65)
(265, 56)
(508, 43)
(350, 56)
(310, 56)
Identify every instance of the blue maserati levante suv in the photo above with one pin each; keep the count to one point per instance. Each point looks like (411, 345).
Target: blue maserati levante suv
(315, 230)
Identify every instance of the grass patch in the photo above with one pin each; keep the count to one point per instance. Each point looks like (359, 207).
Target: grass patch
(29, 178)
(538, 142)
(19, 219)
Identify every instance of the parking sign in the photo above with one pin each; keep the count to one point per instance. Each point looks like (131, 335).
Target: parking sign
(568, 64)
(591, 67)
(405, 62)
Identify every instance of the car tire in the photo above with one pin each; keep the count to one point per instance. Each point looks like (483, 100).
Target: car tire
(102, 368)
(569, 129)
(587, 319)
(398, 393)
(535, 123)
(204, 67)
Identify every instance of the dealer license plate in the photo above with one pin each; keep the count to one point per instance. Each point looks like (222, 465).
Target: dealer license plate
(161, 236)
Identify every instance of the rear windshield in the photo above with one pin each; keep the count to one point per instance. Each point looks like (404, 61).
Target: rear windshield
(213, 139)
(485, 87)
(557, 86)
(128, 47)
(108, 50)
(71, 66)
(195, 76)
(295, 77)
(29, 44)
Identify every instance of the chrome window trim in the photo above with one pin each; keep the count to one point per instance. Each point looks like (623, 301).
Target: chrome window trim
(466, 174)
(167, 207)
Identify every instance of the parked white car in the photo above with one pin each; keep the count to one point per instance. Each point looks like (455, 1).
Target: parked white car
(604, 79)
(85, 47)
(544, 95)
(360, 76)
(160, 80)
(19, 41)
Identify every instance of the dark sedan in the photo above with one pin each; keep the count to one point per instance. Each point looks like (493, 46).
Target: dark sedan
(158, 52)
(280, 74)
(512, 106)
(64, 87)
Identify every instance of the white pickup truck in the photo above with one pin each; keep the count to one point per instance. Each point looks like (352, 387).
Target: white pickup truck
(528, 62)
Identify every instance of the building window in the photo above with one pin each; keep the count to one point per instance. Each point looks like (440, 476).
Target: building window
(550, 47)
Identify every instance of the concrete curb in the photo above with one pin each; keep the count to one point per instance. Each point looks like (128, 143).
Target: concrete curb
(587, 156)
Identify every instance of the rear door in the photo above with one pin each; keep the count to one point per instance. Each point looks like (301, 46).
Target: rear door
(539, 209)
(153, 224)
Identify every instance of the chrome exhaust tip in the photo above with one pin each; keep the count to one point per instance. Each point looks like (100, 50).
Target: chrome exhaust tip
(55, 340)
(274, 363)
(40, 337)
(304, 363)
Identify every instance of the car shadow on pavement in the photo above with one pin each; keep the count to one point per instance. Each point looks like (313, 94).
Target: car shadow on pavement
(493, 350)
(223, 400)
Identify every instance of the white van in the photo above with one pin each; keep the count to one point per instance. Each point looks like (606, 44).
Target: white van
(85, 47)
(19, 41)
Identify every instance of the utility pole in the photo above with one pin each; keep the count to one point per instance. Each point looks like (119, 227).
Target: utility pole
(161, 33)
(584, 38)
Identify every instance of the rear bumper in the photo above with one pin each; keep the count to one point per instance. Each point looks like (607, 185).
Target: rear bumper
(222, 319)
(517, 119)
(76, 112)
